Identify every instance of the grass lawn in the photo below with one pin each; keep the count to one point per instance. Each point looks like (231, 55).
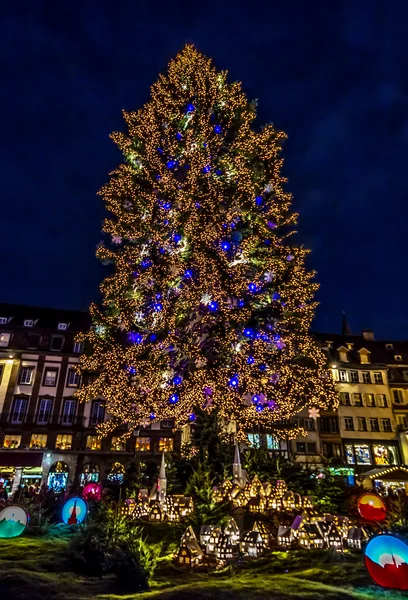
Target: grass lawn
(35, 569)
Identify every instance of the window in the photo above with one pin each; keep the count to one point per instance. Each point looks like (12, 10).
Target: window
(343, 356)
(382, 400)
(167, 424)
(44, 411)
(68, 413)
(98, 412)
(308, 424)
(388, 346)
(363, 455)
(369, 399)
(3, 320)
(329, 424)
(364, 358)
(405, 375)
(28, 323)
(254, 439)
(361, 424)
(62, 326)
(386, 424)
(366, 377)
(345, 398)
(26, 376)
(398, 357)
(343, 375)
(271, 442)
(354, 376)
(378, 378)
(374, 426)
(63, 442)
(118, 444)
(78, 347)
(397, 397)
(19, 410)
(142, 444)
(57, 341)
(306, 447)
(73, 379)
(50, 377)
(357, 399)
(402, 421)
(350, 454)
(38, 440)
(385, 455)
(4, 339)
(166, 444)
(33, 341)
(12, 441)
(93, 442)
(348, 423)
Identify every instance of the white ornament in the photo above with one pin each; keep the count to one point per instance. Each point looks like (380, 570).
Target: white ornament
(116, 239)
(268, 277)
(314, 413)
(269, 188)
(206, 299)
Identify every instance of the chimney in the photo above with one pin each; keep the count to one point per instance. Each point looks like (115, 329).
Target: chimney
(368, 334)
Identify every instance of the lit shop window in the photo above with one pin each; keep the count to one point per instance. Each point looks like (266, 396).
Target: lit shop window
(63, 442)
(166, 444)
(93, 442)
(38, 440)
(142, 444)
(12, 441)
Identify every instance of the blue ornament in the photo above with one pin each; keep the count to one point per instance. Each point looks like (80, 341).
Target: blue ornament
(197, 205)
(165, 222)
(236, 236)
(167, 205)
(145, 263)
(190, 108)
(174, 398)
(252, 287)
(207, 169)
(171, 164)
(250, 360)
(259, 407)
(152, 416)
(177, 237)
(218, 172)
(188, 274)
(233, 381)
(152, 337)
(241, 303)
(249, 333)
(262, 367)
(226, 245)
(158, 177)
(158, 306)
(131, 370)
(177, 380)
(192, 417)
(255, 399)
(179, 136)
(158, 296)
(213, 306)
(217, 129)
(267, 242)
(134, 337)
(259, 200)
(275, 296)
(160, 150)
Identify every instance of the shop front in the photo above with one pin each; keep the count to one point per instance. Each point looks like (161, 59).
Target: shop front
(386, 478)
(20, 469)
(365, 454)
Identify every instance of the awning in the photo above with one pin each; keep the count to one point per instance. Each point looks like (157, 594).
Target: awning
(20, 459)
(391, 473)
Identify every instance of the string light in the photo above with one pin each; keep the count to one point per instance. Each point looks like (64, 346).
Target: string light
(213, 314)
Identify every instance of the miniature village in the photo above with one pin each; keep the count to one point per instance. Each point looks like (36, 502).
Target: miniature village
(220, 544)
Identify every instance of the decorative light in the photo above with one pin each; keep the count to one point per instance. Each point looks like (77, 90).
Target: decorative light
(233, 381)
(249, 333)
(190, 108)
(217, 129)
(158, 306)
(259, 200)
(177, 237)
(252, 287)
(250, 360)
(226, 245)
(177, 380)
(134, 337)
(207, 169)
(188, 274)
(174, 398)
(213, 306)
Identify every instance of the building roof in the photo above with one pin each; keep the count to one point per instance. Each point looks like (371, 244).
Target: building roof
(44, 318)
(381, 351)
(391, 473)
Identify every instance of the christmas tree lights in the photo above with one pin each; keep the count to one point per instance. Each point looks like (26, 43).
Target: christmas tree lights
(209, 305)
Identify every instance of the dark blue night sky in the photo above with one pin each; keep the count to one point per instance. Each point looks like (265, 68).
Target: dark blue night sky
(333, 75)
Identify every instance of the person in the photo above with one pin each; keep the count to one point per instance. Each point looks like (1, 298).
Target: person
(3, 493)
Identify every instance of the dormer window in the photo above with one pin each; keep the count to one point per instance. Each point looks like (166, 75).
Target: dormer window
(388, 346)
(365, 358)
(350, 345)
(398, 357)
(3, 320)
(62, 326)
(343, 354)
(28, 323)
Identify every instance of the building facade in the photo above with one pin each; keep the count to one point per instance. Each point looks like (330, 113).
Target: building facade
(46, 435)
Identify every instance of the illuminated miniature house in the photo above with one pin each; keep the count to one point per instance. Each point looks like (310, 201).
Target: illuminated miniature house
(225, 549)
(334, 538)
(141, 511)
(263, 531)
(252, 544)
(189, 554)
(188, 535)
(232, 530)
(309, 536)
(284, 538)
(324, 527)
(156, 513)
(356, 537)
(257, 505)
(205, 533)
(213, 541)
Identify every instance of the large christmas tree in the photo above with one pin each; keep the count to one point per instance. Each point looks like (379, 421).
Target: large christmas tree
(209, 304)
